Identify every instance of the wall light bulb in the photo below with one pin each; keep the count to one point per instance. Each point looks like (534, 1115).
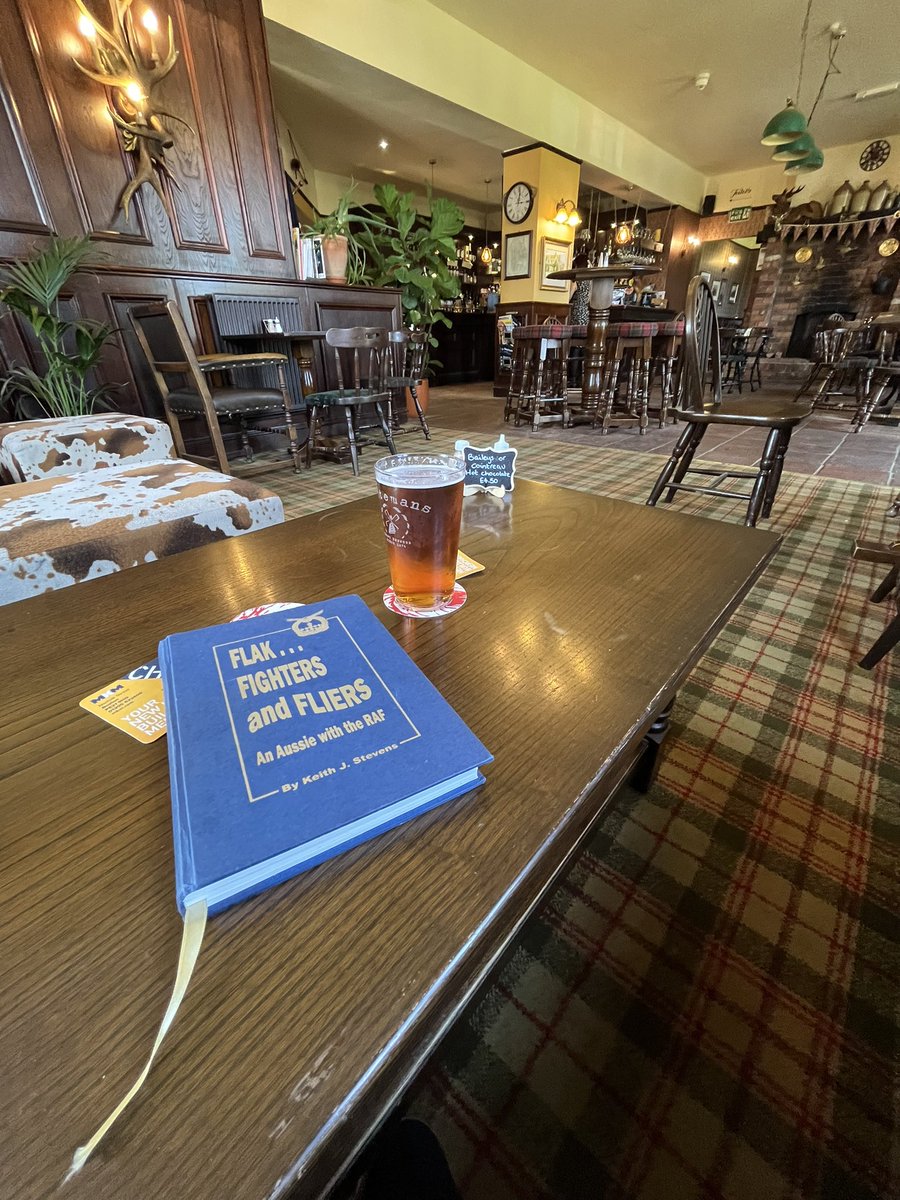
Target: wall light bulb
(574, 218)
(86, 27)
(149, 21)
(134, 92)
(733, 260)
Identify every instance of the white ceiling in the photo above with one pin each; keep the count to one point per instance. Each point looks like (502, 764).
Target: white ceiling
(637, 62)
(338, 109)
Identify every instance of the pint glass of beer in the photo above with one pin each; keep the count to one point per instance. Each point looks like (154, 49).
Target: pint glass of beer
(421, 504)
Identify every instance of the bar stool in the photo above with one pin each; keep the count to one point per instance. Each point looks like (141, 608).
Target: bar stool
(538, 384)
(666, 352)
(629, 343)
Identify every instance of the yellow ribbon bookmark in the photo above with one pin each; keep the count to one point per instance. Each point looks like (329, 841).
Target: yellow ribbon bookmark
(191, 938)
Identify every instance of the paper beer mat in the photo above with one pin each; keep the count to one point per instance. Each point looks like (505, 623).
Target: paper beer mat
(466, 566)
(134, 703)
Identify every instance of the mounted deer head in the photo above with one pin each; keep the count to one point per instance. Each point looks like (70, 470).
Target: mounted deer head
(782, 202)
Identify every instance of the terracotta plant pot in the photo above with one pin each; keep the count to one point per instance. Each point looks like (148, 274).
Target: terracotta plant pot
(422, 393)
(334, 250)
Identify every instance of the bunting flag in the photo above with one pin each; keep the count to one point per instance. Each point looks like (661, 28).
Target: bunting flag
(884, 222)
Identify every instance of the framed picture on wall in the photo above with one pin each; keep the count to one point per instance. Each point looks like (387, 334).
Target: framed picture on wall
(733, 294)
(554, 257)
(517, 255)
(716, 288)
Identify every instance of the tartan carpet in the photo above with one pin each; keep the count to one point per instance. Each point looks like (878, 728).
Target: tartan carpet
(706, 1006)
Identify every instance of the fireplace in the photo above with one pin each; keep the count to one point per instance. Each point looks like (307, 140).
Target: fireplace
(807, 323)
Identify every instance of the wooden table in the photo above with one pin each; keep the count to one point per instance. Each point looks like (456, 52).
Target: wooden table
(314, 1003)
(602, 282)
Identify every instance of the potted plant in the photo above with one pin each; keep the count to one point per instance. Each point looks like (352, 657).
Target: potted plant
(344, 260)
(71, 349)
(412, 249)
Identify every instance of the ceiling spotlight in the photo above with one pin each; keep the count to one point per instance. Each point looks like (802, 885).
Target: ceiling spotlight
(383, 144)
(701, 81)
(870, 93)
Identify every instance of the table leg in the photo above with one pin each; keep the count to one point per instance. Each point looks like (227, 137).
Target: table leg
(644, 773)
(302, 354)
(594, 356)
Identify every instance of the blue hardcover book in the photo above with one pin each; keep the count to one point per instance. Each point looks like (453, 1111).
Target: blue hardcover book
(294, 736)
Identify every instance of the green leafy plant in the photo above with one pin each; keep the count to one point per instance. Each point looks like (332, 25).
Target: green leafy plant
(412, 249)
(345, 222)
(71, 349)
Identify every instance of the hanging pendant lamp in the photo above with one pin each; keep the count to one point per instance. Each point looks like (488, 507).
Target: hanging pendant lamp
(784, 127)
(486, 255)
(809, 162)
(798, 148)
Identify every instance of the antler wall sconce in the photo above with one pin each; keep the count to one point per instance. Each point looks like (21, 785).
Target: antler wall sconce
(126, 60)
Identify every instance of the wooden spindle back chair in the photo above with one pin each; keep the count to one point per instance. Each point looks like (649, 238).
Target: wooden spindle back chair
(701, 404)
(359, 355)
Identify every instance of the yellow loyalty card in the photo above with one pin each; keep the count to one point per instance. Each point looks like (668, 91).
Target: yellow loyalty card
(466, 566)
(133, 705)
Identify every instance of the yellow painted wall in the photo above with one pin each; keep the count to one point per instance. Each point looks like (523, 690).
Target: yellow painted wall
(764, 181)
(553, 178)
(412, 40)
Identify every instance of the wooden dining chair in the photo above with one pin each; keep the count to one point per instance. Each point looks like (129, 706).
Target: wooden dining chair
(359, 355)
(701, 405)
(189, 387)
(873, 552)
(407, 354)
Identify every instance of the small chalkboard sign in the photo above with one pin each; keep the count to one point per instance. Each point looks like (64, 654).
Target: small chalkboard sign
(490, 469)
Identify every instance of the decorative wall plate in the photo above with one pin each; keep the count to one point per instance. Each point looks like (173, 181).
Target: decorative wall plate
(875, 155)
(888, 247)
(803, 255)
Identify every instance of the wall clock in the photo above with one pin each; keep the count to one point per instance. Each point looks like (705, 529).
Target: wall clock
(803, 255)
(875, 155)
(518, 202)
(888, 247)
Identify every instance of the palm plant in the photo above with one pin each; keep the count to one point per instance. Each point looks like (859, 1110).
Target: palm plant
(71, 349)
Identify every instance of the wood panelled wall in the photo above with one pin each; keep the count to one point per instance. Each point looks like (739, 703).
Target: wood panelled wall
(62, 167)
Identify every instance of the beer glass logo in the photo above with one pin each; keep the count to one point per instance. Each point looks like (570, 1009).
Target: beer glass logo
(396, 524)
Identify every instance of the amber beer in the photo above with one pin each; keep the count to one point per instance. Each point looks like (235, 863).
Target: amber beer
(421, 504)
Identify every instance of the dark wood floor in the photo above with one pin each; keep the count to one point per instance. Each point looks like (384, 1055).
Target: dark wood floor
(825, 446)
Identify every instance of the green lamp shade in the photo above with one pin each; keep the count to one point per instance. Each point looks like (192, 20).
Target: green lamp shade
(810, 162)
(784, 127)
(795, 150)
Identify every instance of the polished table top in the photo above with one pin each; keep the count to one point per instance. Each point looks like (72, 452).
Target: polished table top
(313, 1003)
(616, 271)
